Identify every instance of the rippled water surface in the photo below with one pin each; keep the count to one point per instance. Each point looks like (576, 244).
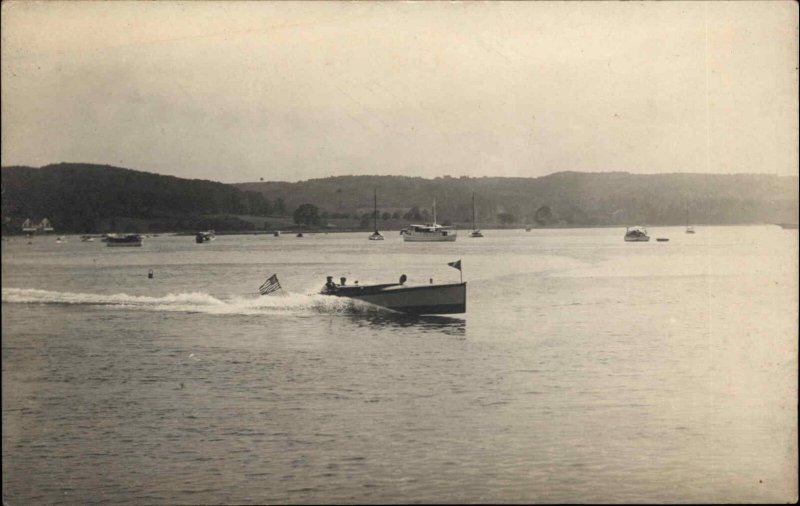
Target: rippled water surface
(585, 369)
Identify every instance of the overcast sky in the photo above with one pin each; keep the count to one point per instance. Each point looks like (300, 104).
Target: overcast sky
(235, 92)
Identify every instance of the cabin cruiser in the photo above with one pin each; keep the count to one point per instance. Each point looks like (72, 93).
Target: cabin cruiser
(636, 234)
(430, 232)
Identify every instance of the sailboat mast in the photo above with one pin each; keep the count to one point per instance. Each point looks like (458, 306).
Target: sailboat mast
(375, 211)
(474, 226)
(434, 210)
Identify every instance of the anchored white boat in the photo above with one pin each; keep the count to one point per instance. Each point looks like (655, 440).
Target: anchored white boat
(430, 232)
(636, 234)
(421, 299)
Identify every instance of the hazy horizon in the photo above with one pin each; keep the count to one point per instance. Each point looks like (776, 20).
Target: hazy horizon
(235, 92)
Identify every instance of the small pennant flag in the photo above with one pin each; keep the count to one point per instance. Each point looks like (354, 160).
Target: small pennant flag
(455, 265)
(270, 285)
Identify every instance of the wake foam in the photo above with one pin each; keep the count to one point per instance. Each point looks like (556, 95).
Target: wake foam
(195, 302)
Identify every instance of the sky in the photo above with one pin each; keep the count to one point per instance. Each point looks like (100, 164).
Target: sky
(239, 91)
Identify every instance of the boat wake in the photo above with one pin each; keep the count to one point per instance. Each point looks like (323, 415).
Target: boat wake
(195, 302)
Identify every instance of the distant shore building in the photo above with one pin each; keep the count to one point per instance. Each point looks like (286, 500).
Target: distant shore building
(29, 228)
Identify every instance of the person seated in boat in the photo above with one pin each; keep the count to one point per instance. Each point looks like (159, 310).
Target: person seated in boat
(330, 286)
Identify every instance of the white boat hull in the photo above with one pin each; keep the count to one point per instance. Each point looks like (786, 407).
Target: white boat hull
(412, 236)
(637, 239)
(423, 299)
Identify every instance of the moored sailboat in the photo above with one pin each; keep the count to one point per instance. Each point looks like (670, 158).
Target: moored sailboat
(475, 231)
(375, 236)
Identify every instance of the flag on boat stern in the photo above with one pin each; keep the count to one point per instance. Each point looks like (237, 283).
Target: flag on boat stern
(455, 265)
(270, 285)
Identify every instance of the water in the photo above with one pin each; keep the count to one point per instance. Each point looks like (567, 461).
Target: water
(585, 369)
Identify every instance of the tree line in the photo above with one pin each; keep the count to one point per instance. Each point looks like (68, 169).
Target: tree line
(91, 198)
(86, 197)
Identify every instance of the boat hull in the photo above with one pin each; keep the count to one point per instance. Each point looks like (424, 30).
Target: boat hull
(429, 237)
(112, 244)
(433, 299)
(124, 241)
(637, 239)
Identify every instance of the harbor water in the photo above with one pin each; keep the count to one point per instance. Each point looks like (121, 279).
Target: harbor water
(586, 369)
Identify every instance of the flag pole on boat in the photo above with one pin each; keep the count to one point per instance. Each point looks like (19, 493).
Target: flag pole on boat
(457, 265)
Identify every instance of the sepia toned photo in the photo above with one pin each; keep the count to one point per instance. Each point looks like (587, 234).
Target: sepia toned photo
(399, 252)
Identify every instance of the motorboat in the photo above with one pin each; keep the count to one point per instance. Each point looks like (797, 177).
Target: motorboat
(418, 299)
(636, 234)
(277, 233)
(206, 236)
(87, 238)
(430, 232)
(123, 240)
(375, 236)
(299, 234)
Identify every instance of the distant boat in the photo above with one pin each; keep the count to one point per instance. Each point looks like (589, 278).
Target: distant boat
(662, 239)
(87, 238)
(375, 236)
(636, 234)
(206, 236)
(124, 240)
(527, 229)
(689, 230)
(277, 233)
(421, 299)
(299, 234)
(430, 232)
(475, 232)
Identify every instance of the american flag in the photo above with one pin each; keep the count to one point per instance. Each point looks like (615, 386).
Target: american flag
(270, 285)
